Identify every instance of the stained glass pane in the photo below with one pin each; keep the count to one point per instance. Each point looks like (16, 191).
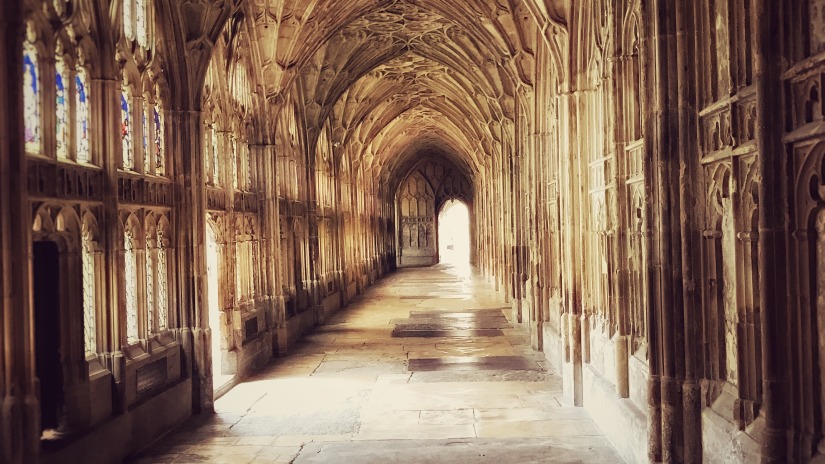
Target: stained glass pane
(82, 117)
(147, 155)
(126, 129)
(158, 142)
(141, 21)
(61, 115)
(89, 310)
(131, 292)
(31, 98)
(128, 27)
(150, 291)
(163, 290)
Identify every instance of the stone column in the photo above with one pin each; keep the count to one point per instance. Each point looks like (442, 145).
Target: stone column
(687, 178)
(195, 335)
(571, 254)
(271, 234)
(108, 149)
(652, 122)
(19, 408)
(773, 233)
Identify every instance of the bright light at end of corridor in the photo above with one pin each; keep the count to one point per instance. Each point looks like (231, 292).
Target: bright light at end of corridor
(454, 237)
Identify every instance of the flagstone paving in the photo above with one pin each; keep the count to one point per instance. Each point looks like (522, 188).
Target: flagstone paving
(423, 368)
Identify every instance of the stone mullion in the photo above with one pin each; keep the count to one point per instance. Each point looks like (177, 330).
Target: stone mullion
(773, 233)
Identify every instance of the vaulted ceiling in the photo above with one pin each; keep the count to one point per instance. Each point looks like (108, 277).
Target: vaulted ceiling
(394, 78)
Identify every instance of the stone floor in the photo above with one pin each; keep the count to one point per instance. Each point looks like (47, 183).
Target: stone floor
(424, 368)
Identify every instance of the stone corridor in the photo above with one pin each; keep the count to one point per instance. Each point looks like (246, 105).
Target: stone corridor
(423, 367)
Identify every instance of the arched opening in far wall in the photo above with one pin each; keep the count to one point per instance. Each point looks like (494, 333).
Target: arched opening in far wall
(454, 234)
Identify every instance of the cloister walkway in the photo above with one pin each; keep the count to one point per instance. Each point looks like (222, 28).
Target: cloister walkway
(423, 368)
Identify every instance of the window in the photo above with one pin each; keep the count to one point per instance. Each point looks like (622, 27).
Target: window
(141, 23)
(163, 286)
(128, 19)
(216, 177)
(136, 19)
(147, 152)
(31, 98)
(126, 129)
(62, 110)
(235, 163)
(89, 296)
(130, 258)
(158, 145)
(82, 117)
(150, 291)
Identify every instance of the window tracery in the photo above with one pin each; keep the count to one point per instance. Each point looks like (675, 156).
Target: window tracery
(157, 276)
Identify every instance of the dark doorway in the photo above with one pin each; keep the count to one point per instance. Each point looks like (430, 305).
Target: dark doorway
(46, 284)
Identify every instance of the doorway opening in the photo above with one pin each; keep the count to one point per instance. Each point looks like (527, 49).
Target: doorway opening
(220, 377)
(48, 367)
(454, 235)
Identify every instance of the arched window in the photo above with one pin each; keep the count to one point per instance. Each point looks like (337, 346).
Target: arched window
(82, 116)
(61, 78)
(130, 285)
(89, 294)
(31, 96)
(126, 128)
